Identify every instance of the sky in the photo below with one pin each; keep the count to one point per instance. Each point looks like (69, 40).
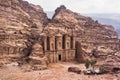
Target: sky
(81, 6)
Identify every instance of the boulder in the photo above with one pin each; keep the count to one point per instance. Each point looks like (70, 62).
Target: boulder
(74, 69)
(38, 63)
(112, 63)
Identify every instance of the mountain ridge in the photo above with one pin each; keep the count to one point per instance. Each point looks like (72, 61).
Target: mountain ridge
(102, 18)
(89, 32)
(26, 22)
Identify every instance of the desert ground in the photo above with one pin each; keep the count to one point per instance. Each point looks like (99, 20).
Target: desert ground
(55, 71)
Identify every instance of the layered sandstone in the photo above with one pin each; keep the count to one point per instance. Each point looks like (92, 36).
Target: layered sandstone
(16, 19)
(22, 24)
(112, 62)
(91, 34)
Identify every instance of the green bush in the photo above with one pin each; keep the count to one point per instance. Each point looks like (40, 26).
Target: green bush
(87, 64)
(91, 63)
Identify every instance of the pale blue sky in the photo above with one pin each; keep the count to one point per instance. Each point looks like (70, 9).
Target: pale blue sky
(81, 6)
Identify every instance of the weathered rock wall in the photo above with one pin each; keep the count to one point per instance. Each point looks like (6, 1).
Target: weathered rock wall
(112, 63)
(91, 34)
(21, 23)
(16, 19)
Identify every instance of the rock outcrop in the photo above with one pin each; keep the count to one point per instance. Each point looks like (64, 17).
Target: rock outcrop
(22, 24)
(16, 19)
(81, 55)
(91, 34)
(112, 62)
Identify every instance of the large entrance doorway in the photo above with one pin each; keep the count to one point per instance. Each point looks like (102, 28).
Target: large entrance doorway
(59, 57)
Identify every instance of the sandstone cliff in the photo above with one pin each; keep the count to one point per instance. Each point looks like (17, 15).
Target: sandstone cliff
(91, 34)
(20, 21)
(112, 62)
(21, 25)
(16, 19)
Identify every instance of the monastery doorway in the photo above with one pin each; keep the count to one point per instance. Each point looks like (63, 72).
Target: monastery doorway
(59, 57)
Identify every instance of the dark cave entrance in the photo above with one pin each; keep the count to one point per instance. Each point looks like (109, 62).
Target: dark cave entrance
(59, 57)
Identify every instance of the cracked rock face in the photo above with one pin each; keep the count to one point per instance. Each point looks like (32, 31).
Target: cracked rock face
(20, 20)
(16, 19)
(112, 62)
(91, 34)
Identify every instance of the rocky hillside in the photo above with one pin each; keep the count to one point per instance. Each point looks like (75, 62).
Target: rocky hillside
(16, 19)
(112, 19)
(20, 19)
(112, 62)
(90, 33)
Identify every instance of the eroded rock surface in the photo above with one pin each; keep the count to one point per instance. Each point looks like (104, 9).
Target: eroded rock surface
(112, 62)
(91, 34)
(22, 23)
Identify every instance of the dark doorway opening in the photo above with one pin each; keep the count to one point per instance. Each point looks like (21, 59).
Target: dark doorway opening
(59, 57)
